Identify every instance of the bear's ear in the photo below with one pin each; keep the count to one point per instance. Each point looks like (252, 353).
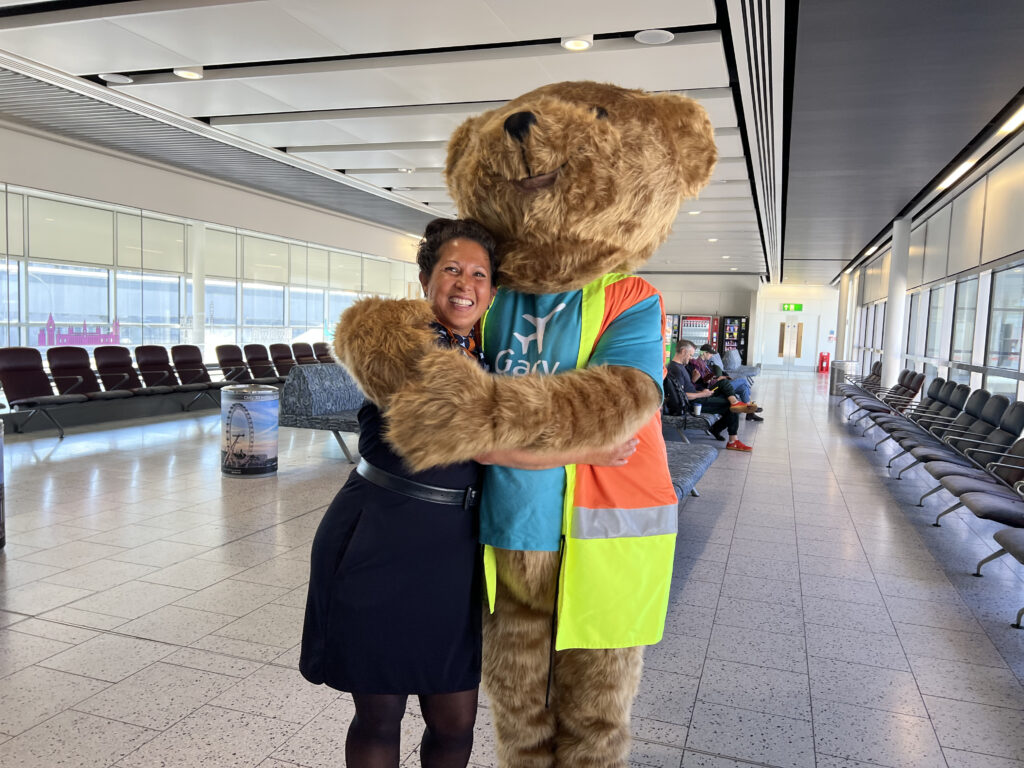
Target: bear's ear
(692, 137)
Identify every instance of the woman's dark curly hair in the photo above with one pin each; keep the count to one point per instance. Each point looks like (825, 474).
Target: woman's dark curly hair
(440, 231)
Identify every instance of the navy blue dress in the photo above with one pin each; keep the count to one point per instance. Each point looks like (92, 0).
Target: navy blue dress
(394, 601)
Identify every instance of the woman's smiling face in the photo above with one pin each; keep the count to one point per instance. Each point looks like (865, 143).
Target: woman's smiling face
(461, 285)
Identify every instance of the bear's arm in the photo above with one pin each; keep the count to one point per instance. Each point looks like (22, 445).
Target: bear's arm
(382, 341)
(459, 411)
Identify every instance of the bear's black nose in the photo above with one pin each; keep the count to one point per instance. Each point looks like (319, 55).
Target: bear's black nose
(518, 125)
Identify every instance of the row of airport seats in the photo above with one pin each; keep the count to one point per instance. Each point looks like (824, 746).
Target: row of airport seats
(30, 390)
(970, 443)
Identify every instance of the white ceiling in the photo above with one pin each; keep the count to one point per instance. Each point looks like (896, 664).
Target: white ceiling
(379, 87)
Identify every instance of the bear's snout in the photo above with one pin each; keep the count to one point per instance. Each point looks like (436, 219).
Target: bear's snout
(518, 125)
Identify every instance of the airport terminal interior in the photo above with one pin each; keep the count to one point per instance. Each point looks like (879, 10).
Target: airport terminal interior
(193, 191)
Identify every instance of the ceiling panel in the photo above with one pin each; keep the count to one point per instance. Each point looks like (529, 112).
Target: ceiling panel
(534, 19)
(655, 68)
(88, 46)
(292, 134)
(412, 158)
(206, 97)
(224, 34)
(400, 25)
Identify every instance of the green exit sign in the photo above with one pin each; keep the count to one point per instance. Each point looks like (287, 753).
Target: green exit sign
(792, 307)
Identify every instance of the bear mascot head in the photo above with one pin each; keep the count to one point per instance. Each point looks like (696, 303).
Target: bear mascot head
(579, 179)
(579, 182)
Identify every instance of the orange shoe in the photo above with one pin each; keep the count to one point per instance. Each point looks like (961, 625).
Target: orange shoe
(741, 407)
(736, 445)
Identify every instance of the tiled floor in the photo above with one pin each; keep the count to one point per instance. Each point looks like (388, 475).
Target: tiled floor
(150, 610)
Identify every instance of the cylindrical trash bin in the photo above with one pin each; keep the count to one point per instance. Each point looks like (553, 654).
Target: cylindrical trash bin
(836, 375)
(249, 426)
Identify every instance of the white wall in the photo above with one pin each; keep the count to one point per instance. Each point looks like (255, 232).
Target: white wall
(705, 294)
(57, 165)
(820, 315)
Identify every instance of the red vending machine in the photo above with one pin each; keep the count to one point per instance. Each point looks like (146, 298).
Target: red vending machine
(671, 336)
(734, 335)
(700, 329)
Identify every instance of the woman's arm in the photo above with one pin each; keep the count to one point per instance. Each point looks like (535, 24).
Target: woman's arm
(610, 456)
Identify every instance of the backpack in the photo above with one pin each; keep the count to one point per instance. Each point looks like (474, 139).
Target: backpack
(675, 399)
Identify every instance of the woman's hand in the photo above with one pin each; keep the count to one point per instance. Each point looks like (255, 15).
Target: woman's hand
(610, 456)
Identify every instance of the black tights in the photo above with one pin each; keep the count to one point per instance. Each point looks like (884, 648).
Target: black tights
(373, 736)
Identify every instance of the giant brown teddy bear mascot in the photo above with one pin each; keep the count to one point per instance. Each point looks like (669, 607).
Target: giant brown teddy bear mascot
(580, 183)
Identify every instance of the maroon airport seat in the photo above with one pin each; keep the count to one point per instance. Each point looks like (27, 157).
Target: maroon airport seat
(322, 350)
(28, 388)
(189, 365)
(281, 354)
(260, 364)
(156, 370)
(114, 364)
(304, 354)
(232, 365)
(72, 373)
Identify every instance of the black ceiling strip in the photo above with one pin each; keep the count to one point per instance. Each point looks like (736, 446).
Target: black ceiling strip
(27, 9)
(767, 132)
(788, 78)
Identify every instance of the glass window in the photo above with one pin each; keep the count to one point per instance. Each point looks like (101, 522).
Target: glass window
(15, 224)
(965, 308)
(879, 327)
(220, 301)
(960, 375)
(1000, 385)
(305, 307)
(932, 342)
(339, 301)
(1006, 318)
(70, 294)
(262, 304)
(69, 232)
(915, 305)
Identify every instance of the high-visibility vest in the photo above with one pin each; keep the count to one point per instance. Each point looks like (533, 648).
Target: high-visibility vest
(616, 563)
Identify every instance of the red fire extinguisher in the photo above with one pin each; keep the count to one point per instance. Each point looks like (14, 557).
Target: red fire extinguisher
(823, 359)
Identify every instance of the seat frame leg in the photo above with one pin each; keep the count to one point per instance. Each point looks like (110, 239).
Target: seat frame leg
(884, 439)
(693, 492)
(936, 489)
(900, 475)
(945, 512)
(1020, 614)
(989, 559)
(344, 448)
(897, 456)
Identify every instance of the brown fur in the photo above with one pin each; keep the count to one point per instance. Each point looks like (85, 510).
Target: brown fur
(619, 185)
(621, 181)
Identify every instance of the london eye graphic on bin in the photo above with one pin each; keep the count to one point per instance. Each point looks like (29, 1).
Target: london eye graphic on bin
(249, 443)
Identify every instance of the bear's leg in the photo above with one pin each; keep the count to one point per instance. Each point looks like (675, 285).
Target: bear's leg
(594, 691)
(515, 674)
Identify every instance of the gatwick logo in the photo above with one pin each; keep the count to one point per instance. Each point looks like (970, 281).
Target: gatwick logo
(503, 362)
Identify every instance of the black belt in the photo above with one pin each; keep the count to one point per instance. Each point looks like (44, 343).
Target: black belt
(465, 498)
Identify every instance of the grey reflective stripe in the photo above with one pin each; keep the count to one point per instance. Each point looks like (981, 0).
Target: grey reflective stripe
(623, 523)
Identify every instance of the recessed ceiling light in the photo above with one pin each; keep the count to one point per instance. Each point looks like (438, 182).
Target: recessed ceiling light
(654, 36)
(577, 43)
(400, 189)
(693, 213)
(406, 170)
(871, 250)
(960, 171)
(733, 269)
(1014, 122)
(189, 73)
(725, 257)
(116, 79)
(712, 239)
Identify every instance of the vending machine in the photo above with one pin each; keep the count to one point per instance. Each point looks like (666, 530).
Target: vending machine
(700, 329)
(671, 336)
(734, 335)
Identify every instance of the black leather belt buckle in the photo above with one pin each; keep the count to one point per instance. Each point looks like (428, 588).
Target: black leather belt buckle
(472, 496)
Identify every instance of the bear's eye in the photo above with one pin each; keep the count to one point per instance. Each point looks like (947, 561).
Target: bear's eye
(601, 113)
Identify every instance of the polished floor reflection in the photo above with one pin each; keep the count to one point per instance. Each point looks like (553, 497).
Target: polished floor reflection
(150, 609)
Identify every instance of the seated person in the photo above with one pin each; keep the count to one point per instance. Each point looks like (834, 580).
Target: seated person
(726, 405)
(740, 386)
